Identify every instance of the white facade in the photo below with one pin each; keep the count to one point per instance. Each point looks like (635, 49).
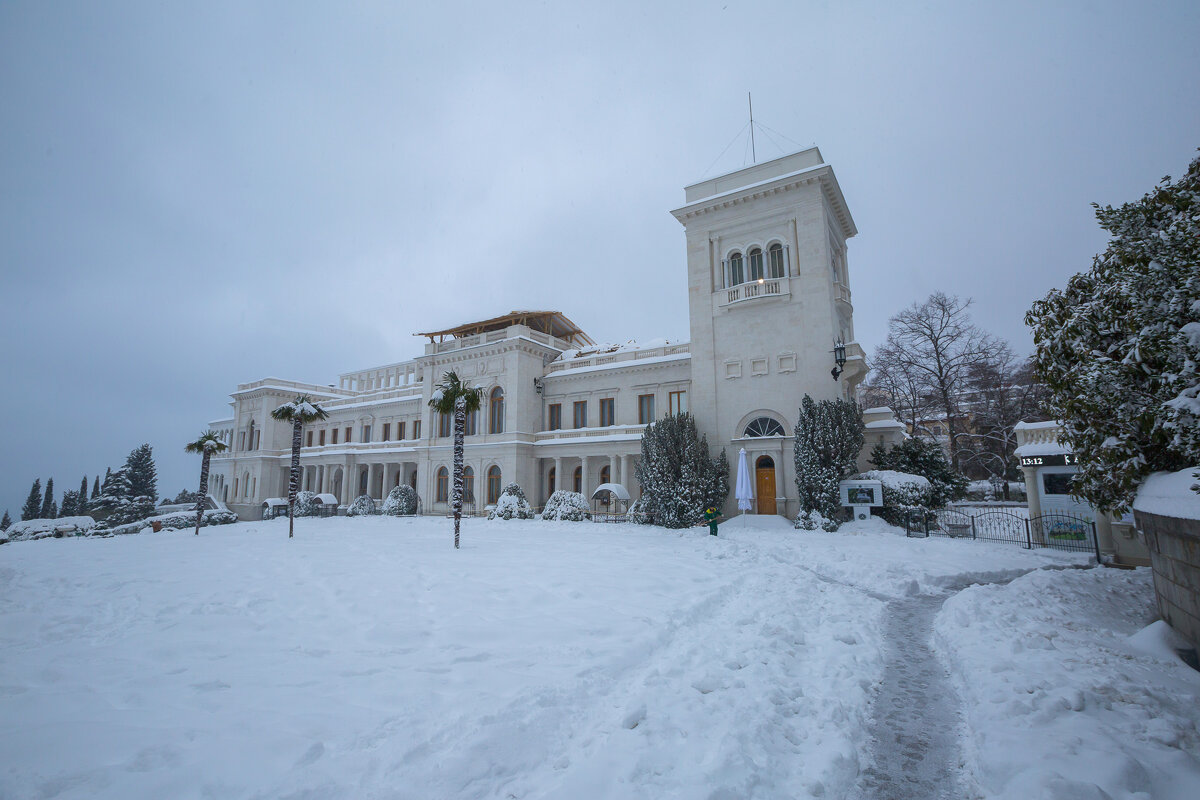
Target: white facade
(768, 294)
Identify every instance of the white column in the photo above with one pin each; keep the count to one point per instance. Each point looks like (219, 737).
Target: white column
(613, 467)
(558, 473)
(583, 485)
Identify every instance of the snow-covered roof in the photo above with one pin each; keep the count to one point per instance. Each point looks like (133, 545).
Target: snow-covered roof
(620, 491)
(327, 499)
(1170, 494)
(896, 480)
(1037, 426)
(274, 502)
(619, 365)
(604, 348)
(1042, 449)
(884, 423)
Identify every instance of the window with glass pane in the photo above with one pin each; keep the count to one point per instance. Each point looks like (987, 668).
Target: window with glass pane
(555, 417)
(333, 436)
(471, 426)
(310, 439)
(579, 479)
(645, 409)
(399, 431)
(387, 431)
(493, 484)
(443, 425)
(321, 439)
(775, 260)
(736, 272)
(468, 484)
(608, 412)
(348, 430)
(580, 410)
(756, 264)
(416, 429)
(496, 412)
(366, 433)
(764, 426)
(443, 485)
(677, 402)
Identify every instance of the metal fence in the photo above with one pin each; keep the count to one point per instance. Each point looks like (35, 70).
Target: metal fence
(1058, 530)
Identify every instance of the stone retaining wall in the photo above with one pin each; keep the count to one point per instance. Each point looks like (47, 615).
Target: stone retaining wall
(1174, 546)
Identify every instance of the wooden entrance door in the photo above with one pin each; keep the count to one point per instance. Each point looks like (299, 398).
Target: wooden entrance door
(764, 484)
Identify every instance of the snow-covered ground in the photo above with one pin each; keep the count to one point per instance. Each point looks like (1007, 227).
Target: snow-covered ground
(367, 658)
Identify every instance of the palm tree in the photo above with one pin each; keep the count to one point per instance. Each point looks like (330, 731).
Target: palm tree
(208, 443)
(452, 396)
(297, 412)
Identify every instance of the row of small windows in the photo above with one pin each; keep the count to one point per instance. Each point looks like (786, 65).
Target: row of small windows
(676, 404)
(736, 265)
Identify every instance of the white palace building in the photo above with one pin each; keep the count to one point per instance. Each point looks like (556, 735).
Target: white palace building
(768, 296)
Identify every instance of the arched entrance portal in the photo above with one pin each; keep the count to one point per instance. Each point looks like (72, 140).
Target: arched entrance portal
(764, 484)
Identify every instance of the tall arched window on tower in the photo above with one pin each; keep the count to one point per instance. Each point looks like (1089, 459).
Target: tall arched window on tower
(496, 411)
(775, 260)
(756, 264)
(736, 273)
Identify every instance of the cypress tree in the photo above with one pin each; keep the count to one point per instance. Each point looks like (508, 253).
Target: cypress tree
(829, 436)
(67, 509)
(143, 477)
(49, 507)
(6, 522)
(679, 479)
(81, 505)
(33, 503)
(96, 487)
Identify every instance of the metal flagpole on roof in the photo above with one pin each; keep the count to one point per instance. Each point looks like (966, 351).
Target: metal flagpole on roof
(753, 152)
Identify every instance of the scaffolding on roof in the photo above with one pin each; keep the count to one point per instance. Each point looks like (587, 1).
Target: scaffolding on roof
(552, 323)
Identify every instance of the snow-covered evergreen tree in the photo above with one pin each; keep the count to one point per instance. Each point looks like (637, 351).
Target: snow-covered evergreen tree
(7, 521)
(49, 508)
(1119, 347)
(96, 489)
(678, 477)
(70, 504)
(143, 476)
(925, 458)
(828, 438)
(306, 504)
(33, 503)
(400, 502)
(81, 501)
(512, 503)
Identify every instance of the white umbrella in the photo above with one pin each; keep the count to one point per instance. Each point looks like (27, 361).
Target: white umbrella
(743, 492)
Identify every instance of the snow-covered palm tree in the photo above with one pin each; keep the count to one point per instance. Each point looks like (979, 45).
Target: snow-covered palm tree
(208, 443)
(452, 396)
(297, 412)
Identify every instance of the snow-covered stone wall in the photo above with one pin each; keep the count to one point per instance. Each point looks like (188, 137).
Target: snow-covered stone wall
(1167, 512)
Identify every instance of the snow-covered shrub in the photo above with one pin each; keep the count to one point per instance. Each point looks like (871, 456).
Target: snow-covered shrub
(306, 504)
(512, 503)
(640, 513)
(566, 506)
(45, 528)
(903, 494)
(927, 459)
(811, 520)
(401, 502)
(171, 522)
(363, 506)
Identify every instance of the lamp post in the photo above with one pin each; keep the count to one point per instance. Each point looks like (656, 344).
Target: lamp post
(839, 358)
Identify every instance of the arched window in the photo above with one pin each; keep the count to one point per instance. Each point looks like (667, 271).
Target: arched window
(442, 488)
(579, 479)
(496, 412)
(736, 273)
(468, 484)
(756, 264)
(764, 426)
(472, 425)
(493, 483)
(605, 474)
(775, 260)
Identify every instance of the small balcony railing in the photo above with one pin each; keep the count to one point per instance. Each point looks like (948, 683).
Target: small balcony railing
(766, 287)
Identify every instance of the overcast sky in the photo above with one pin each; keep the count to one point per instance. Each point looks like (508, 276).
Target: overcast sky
(197, 195)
